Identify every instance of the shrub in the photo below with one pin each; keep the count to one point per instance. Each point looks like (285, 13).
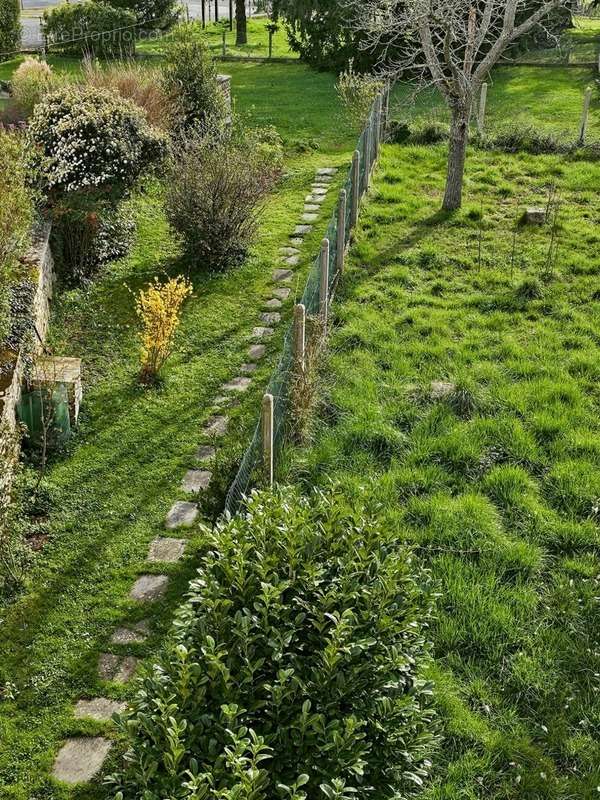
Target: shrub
(151, 14)
(294, 666)
(158, 308)
(216, 188)
(89, 140)
(30, 83)
(10, 27)
(357, 93)
(16, 214)
(134, 82)
(91, 28)
(189, 78)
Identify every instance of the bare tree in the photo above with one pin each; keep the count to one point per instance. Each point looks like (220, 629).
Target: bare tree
(452, 44)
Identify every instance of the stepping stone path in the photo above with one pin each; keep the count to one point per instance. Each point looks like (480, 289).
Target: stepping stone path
(167, 551)
(196, 481)
(118, 669)
(149, 587)
(81, 757)
(181, 515)
(100, 708)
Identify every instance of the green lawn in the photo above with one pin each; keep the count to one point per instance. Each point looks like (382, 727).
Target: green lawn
(496, 483)
(111, 491)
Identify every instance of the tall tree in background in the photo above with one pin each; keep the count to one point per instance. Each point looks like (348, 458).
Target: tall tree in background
(452, 44)
(241, 25)
(10, 28)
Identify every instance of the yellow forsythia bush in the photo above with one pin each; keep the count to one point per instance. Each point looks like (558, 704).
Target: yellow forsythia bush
(159, 308)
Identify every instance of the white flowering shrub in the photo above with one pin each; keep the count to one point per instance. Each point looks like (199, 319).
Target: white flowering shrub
(83, 139)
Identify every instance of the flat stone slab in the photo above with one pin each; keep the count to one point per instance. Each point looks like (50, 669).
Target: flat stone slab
(535, 216)
(320, 185)
(166, 550)
(261, 332)
(273, 303)
(319, 191)
(216, 426)
(256, 351)
(291, 261)
(222, 400)
(149, 587)
(271, 318)
(289, 251)
(309, 218)
(248, 369)
(324, 178)
(238, 384)
(196, 480)
(283, 275)
(297, 242)
(136, 634)
(315, 198)
(118, 669)
(282, 293)
(181, 515)
(327, 171)
(99, 708)
(311, 208)
(302, 230)
(205, 453)
(80, 759)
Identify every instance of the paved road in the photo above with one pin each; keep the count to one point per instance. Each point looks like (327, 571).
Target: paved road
(32, 37)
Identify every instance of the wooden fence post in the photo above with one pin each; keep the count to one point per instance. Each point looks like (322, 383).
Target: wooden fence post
(324, 285)
(482, 106)
(585, 114)
(299, 337)
(341, 233)
(369, 131)
(224, 42)
(267, 437)
(355, 188)
(376, 127)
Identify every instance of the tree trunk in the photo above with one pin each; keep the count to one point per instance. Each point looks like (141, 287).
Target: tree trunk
(241, 36)
(459, 139)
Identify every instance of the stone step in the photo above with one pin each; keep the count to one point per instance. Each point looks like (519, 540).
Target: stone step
(205, 453)
(271, 317)
(315, 198)
(291, 261)
(319, 191)
(239, 384)
(260, 332)
(273, 303)
(216, 426)
(80, 759)
(181, 515)
(118, 669)
(297, 242)
(166, 550)
(248, 369)
(149, 587)
(99, 708)
(256, 352)
(196, 481)
(309, 217)
(136, 634)
(283, 275)
(282, 293)
(289, 251)
(311, 208)
(302, 230)
(327, 171)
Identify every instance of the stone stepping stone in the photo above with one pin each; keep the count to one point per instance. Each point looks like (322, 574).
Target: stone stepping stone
(256, 351)
(216, 426)
(327, 171)
(99, 708)
(324, 179)
(291, 261)
(205, 453)
(195, 481)
(283, 275)
(311, 208)
(273, 303)
(309, 218)
(222, 400)
(289, 251)
(282, 293)
(136, 634)
(248, 369)
(302, 230)
(271, 318)
(316, 186)
(315, 198)
(118, 669)
(262, 333)
(166, 550)
(297, 242)
(319, 191)
(80, 759)
(181, 515)
(149, 587)
(238, 384)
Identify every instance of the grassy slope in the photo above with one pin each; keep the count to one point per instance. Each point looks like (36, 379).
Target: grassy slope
(498, 486)
(123, 472)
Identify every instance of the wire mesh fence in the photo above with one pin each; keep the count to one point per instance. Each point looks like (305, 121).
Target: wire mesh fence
(316, 296)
